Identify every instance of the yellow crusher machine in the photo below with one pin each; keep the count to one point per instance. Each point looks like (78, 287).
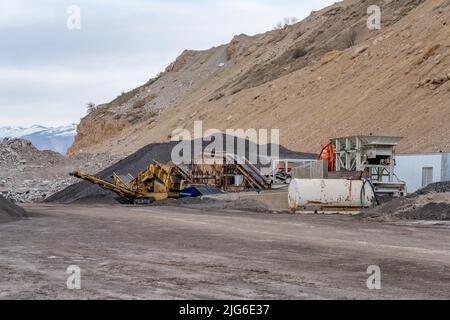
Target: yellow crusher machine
(156, 182)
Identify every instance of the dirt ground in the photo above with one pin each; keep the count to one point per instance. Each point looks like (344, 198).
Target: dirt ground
(182, 253)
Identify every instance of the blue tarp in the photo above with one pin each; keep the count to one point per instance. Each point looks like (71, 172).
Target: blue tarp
(198, 191)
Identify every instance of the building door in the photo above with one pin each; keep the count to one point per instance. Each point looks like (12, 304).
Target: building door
(427, 176)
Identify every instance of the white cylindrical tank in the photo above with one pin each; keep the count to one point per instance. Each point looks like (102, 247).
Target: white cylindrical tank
(332, 193)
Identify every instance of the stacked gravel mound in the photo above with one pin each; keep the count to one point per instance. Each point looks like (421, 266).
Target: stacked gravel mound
(440, 187)
(10, 212)
(429, 203)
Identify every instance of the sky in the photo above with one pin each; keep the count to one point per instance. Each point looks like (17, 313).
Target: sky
(52, 63)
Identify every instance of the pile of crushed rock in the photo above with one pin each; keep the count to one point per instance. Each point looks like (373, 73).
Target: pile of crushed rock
(10, 212)
(19, 152)
(31, 175)
(429, 203)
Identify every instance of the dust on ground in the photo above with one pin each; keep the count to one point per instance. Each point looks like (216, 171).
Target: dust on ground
(127, 252)
(207, 204)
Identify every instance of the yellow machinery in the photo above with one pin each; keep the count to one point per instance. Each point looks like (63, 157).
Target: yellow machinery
(159, 182)
(156, 182)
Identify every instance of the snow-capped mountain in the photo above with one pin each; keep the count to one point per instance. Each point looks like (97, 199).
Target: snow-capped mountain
(57, 139)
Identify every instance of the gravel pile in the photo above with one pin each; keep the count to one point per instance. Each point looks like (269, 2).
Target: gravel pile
(440, 187)
(429, 203)
(31, 175)
(133, 164)
(20, 152)
(9, 211)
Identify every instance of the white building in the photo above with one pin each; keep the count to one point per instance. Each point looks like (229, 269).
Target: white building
(420, 170)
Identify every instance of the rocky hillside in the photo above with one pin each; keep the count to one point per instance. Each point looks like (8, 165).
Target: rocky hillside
(326, 76)
(29, 175)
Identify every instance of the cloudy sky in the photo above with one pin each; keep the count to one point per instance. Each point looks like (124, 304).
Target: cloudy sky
(48, 73)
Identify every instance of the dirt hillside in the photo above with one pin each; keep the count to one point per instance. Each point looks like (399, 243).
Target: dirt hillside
(326, 76)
